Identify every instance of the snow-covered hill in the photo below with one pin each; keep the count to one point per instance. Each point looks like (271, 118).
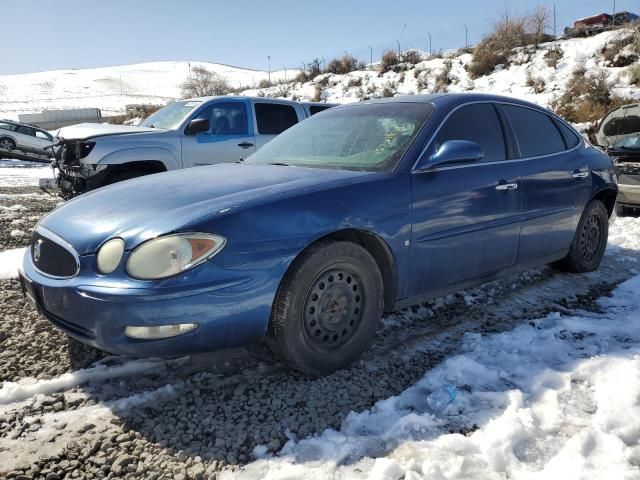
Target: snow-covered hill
(111, 88)
(527, 66)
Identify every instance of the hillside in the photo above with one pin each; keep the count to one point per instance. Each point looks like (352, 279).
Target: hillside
(530, 75)
(540, 75)
(111, 88)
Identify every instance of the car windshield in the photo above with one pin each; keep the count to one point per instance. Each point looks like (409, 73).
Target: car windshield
(370, 137)
(172, 115)
(630, 143)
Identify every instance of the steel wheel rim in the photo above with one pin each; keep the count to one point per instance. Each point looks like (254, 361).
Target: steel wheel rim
(6, 144)
(591, 237)
(333, 308)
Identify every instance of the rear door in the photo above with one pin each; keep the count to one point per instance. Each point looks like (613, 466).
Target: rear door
(26, 137)
(555, 181)
(466, 218)
(271, 119)
(229, 138)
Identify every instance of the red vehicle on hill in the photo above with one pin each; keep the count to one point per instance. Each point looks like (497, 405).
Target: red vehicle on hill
(598, 23)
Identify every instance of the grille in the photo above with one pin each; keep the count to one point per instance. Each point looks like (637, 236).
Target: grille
(67, 326)
(51, 258)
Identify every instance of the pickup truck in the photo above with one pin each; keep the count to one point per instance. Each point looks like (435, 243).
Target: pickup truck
(186, 133)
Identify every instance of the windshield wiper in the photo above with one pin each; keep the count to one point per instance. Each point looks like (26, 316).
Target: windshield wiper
(281, 164)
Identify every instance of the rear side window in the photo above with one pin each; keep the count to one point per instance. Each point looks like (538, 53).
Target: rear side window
(273, 118)
(7, 126)
(27, 131)
(313, 109)
(536, 133)
(572, 137)
(477, 123)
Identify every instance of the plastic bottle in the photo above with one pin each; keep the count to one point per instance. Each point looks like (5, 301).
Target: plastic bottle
(438, 400)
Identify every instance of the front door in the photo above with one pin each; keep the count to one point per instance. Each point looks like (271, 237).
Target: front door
(229, 138)
(466, 218)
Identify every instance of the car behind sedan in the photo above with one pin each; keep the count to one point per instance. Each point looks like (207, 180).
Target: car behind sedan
(361, 209)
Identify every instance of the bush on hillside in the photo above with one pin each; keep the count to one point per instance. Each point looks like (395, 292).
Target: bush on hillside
(553, 56)
(587, 98)
(345, 64)
(389, 61)
(203, 82)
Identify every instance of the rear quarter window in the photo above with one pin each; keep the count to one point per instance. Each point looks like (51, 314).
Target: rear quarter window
(313, 109)
(273, 118)
(573, 139)
(536, 133)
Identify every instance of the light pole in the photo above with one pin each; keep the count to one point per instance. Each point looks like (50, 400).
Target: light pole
(429, 35)
(613, 15)
(371, 56)
(323, 64)
(398, 42)
(269, 58)
(466, 36)
(285, 74)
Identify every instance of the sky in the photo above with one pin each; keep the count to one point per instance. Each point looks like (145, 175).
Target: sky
(69, 34)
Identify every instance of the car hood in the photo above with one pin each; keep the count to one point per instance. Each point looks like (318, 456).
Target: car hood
(143, 208)
(83, 131)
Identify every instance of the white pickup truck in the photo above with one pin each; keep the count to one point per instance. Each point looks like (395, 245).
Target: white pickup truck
(187, 133)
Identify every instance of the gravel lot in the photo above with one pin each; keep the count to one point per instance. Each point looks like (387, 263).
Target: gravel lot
(193, 417)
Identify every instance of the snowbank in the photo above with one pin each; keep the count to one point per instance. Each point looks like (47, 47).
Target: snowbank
(553, 398)
(10, 261)
(23, 175)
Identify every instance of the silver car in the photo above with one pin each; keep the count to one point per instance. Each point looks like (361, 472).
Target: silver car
(24, 137)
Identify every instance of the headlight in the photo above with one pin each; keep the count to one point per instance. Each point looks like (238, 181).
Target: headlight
(170, 255)
(109, 255)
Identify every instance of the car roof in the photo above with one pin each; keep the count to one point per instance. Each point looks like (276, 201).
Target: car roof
(239, 97)
(449, 99)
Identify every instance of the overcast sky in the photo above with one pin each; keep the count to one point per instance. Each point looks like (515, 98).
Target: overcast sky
(45, 34)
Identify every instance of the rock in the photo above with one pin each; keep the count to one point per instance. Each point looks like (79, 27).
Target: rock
(196, 471)
(120, 463)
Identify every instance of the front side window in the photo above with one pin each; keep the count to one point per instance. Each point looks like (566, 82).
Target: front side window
(536, 133)
(371, 137)
(43, 135)
(27, 130)
(172, 115)
(477, 123)
(274, 118)
(226, 118)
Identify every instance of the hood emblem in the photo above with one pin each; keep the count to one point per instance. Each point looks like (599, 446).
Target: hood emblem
(37, 249)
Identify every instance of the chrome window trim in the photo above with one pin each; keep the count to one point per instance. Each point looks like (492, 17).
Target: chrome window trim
(479, 164)
(48, 234)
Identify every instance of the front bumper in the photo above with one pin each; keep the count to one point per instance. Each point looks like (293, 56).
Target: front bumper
(628, 195)
(231, 306)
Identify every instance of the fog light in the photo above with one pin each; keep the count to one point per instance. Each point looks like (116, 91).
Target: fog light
(159, 331)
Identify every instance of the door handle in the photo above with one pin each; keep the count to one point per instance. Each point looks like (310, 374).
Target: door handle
(245, 144)
(579, 174)
(502, 187)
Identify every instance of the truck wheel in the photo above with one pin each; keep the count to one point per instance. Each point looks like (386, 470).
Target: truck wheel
(7, 144)
(589, 241)
(327, 308)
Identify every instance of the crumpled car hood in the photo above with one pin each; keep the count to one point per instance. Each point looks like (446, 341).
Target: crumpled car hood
(83, 131)
(143, 208)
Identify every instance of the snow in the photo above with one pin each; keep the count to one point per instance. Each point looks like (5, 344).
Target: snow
(112, 88)
(10, 261)
(23, 174)
(554, 398)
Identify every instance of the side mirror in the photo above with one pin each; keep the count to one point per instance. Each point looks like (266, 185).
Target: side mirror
(197, 125)
(454, 151)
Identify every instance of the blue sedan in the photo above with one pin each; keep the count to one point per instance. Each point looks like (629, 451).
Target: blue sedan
(361, 209)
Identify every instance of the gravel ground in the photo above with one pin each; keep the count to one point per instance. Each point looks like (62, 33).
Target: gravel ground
(192, 417)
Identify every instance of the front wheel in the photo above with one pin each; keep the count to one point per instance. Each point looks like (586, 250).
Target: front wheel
(327, 308)
(589, 241)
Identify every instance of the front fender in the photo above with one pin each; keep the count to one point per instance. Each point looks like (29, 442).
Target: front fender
(140, 154)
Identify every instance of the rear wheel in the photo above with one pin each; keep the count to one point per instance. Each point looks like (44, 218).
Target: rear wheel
(7, 144)
(122, 175)
(327, 309)
(589, 241)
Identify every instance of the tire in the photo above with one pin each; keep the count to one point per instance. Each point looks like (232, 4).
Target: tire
(327, 308)
(7, 144)
(589, 241)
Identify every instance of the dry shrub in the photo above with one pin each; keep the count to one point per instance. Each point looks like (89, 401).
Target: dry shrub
(443, 79)
(389, 89)
(354, 82)
(553, 56)
(345, 64)
(317, 94)
(536, 83)
(390, 60)
(621, 52)
(587, 98)
(411, 56)
(633, 74)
